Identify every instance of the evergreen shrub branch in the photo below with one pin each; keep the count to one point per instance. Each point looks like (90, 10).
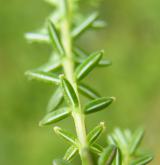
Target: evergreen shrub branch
(66, 69)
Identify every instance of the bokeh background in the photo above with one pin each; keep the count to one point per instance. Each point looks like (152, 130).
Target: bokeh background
(131, 41)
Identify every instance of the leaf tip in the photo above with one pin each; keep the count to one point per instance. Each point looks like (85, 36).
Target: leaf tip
(113, 98)
(56, 129)
(102, 124)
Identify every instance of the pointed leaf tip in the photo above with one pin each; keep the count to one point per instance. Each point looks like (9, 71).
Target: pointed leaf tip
(95, 133)
(69, 137)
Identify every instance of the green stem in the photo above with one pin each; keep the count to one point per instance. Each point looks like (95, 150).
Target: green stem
(68, 65)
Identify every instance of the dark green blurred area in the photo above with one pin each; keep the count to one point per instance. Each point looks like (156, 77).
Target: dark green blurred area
(131, 41)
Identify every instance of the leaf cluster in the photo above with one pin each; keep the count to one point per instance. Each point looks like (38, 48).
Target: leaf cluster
(65, 99)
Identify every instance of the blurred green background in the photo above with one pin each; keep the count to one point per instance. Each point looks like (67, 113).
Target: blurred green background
(131, 41)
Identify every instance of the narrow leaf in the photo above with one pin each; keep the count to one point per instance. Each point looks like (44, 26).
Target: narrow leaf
(54, 37)
(55, 116)
(88, 91)
(87, 66)
(55, 100)
(43, 76)
(108, 155)
(37, 38)
(69, 93)
(143, 160)
(99, 24)
(118, 160)
(136, 140)
(98, 104)
(81, 55)
(66, 135)
(96, 148)
(120, 138)
(70, 153)
(104, 63)
(84, 26)
(60, 162)
(50, 66)
(95, 133)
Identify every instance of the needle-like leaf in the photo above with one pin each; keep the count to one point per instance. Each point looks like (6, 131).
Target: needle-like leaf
(69, 92)
(37, 38)
(95, 133)
(50, 66)
(98, 104)
(60, 162)
(142, 160)
(99, 24)
(88, 91)
(70, 153)
(43, 76)
(55, 116)
(84, 25)
(118, 159)
(81, 55)
(136, 140)
(108, 155)
(55, 38)
(55, 100)
(66, 135)
(88, 65)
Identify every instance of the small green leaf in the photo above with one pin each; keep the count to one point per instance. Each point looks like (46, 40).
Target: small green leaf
(99, 24)
(54, 37)
(69, 93)
(43, 76)
(136, 140)
(50, 66)
(55, 100)
(142, 160)
(66, 135)
(96, 148)
(37, 38)
(87, 91)
(55, 116)
(98, 104)
(87, 66)
(128, 135)
(70, 153)
(107, 156)
(120, 138)
(118, 159)
(81, 55)
(104, 63)
(95, 133)
(84, 26)
(60, 162)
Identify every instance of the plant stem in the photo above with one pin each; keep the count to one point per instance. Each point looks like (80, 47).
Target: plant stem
(68, 66)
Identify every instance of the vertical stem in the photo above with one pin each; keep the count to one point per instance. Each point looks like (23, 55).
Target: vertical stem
(68, 65)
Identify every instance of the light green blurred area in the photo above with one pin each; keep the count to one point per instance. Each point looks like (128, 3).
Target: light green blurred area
(131, 40)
